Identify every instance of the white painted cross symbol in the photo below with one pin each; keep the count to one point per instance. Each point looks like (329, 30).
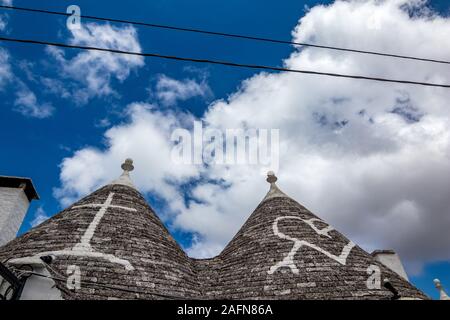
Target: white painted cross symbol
(84, 248)
(85, 243)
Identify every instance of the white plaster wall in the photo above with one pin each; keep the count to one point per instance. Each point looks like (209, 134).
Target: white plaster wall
(13, 207)
(40, 288)
(393, 262)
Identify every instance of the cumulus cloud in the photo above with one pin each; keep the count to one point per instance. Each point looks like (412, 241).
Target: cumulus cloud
(169, 91)
(27, 103)
(94, 71)
(370, 158)
(146, 138)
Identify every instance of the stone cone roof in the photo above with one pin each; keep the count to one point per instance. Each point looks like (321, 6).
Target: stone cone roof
(124, 251)
(284, 251)
(129, 248)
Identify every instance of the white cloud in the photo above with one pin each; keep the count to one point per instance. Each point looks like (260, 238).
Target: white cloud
(40, 216)
(5, 68)
(103, 123)
(3, 16)
(145, 139)
(169, 91)
(25, 101)
(3, 22)
(93, 71)
(370, 158)
(27, 104)
(55, 86)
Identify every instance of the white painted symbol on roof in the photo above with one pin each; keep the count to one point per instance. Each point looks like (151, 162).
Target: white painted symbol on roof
(84, 248)
(288, 261)
(85, 243)
(74, 279)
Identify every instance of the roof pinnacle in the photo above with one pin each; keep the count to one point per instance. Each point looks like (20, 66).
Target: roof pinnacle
(125, 179)
(128, 165)
(443, 295)
(274, 190)
(271, 177)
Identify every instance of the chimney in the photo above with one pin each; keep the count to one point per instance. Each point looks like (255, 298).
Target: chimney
(391, 260)
(15, 197)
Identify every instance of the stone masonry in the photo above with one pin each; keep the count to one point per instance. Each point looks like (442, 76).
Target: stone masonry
(124, 251)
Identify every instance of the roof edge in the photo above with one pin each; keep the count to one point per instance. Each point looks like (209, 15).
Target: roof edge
(17, 182)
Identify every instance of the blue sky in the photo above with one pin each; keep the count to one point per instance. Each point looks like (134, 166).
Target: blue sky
(35, 148)
(72, 127)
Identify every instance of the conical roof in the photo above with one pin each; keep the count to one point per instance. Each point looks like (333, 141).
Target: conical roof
(123, 251)
(120, 246)
(284, 251)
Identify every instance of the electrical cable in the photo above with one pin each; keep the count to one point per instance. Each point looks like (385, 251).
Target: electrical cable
(229, 35)
(225, 63)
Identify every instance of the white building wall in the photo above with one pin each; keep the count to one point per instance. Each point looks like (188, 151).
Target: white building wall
(391, 260)
(40, 288)
(13, 207)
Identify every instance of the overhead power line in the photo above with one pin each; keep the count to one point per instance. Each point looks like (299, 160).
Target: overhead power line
(225, 63)
(229, 35)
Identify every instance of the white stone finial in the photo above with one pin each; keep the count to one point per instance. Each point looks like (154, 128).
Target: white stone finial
(128, 165)
(274, 190)
(271, 177)
(443, 295)
(125, 179)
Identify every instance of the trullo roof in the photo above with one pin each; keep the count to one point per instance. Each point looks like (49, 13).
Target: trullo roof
(124, 251)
